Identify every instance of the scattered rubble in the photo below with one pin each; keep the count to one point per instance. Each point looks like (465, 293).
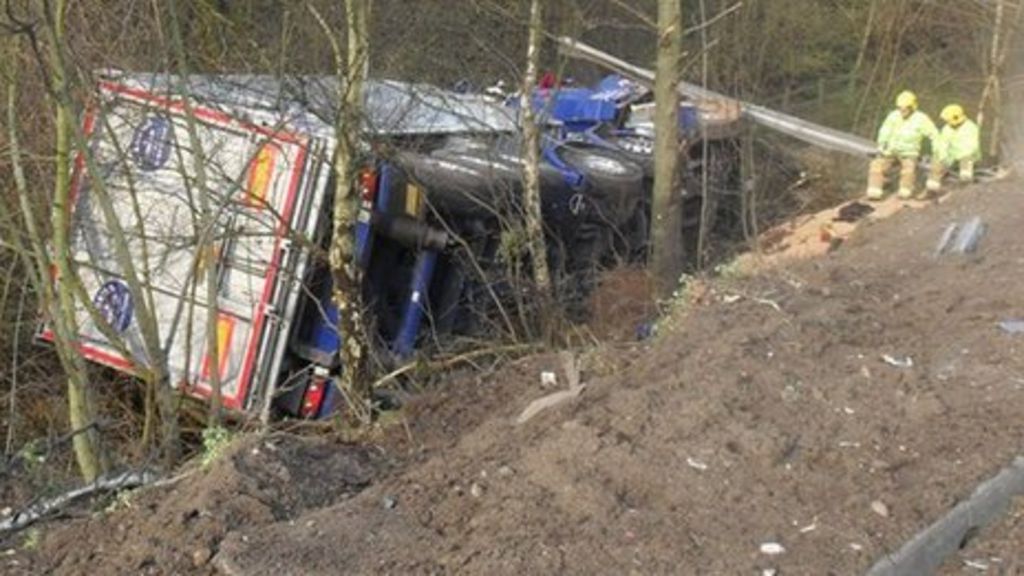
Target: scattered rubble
(1012, 326)
(880, 508)
(904, 362)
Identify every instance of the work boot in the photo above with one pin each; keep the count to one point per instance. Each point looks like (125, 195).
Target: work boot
(905, 193)
(875, 193)
(932, 188)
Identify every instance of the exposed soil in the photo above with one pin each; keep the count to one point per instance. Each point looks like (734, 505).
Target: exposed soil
(622, 304)
(763, 412)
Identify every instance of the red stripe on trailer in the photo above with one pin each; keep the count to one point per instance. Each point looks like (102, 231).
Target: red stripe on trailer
(268, 284)
(78, 168)
(103, 357)
(209, 114)
(96, 354)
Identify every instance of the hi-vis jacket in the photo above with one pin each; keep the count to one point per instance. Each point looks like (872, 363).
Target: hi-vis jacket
(902, 137)
(958, 144)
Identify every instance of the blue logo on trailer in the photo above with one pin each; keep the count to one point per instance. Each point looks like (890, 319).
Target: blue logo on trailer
(114, 302)
(151, 144)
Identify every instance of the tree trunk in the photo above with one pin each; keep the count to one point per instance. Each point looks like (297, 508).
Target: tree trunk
(1002, 41)
(1011, 136)
(344, 271)
(992, 63)
(667, 256)
(531, 167)
(82, 411)
(865, 42)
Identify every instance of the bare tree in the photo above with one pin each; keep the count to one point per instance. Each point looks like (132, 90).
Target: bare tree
(666, 245)
(1003, 30)
(351, 68)
(89, 454)
(531, 166)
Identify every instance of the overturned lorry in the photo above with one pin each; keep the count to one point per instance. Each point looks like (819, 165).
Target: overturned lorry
(244, 162)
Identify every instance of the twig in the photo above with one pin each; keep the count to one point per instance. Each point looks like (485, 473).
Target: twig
(40, 509)
(449, 362)
(711, 21)
(768, 302)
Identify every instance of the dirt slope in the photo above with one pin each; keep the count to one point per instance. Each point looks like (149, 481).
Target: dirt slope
(764, 413)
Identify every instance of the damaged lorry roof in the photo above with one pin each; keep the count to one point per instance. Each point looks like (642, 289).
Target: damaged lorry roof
(309, 103)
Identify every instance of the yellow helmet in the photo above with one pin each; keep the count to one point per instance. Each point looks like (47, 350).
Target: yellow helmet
(907, 99)
(953, 114)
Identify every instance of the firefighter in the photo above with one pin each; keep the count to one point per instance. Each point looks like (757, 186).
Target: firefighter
(958, 144)
(900, 140)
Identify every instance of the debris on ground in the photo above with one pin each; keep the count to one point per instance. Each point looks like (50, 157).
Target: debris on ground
(904, 362)
(961, 238)
(969, 237)
(548, 378)
(572, 375)
(1012, 326)
(853, 212)
(802, 238)
(880, 508)
(696, 464)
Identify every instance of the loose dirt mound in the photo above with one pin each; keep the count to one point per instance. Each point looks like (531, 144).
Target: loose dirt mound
(177, 530)
(833, 408)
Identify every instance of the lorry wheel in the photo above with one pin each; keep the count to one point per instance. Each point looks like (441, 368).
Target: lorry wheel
(614, 183)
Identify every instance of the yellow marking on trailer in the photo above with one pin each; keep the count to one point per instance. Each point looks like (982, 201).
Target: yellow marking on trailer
(225, 330)
(261, 174)
(413, 200)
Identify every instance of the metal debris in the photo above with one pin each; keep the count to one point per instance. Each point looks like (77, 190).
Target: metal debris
(961, 239)
(947, 238)
(969, 237)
